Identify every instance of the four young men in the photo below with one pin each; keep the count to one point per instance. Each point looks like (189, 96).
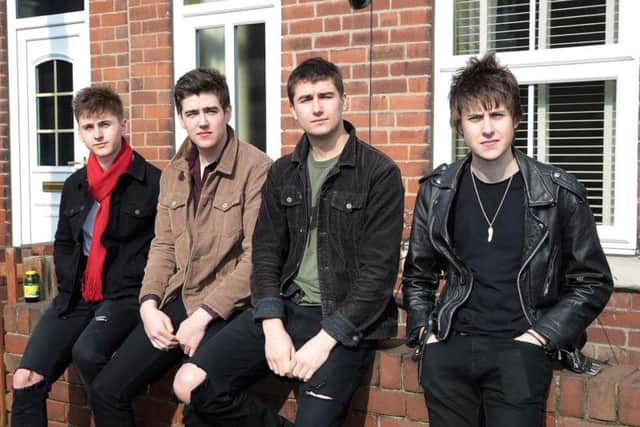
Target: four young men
(317, 248)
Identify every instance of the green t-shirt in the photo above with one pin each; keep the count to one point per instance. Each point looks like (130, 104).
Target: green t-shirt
(307, 277)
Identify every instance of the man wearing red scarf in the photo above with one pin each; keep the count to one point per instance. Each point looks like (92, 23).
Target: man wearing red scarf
(101, 245)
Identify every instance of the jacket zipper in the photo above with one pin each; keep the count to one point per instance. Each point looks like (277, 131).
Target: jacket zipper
(524, 310)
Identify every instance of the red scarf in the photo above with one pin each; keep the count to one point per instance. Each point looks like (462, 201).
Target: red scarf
(101, 184)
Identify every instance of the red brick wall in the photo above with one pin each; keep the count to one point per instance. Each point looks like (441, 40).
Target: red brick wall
(131, 50)
(401, 72)
(5, 170)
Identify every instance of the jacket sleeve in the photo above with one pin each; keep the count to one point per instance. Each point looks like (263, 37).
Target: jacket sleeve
(224, 298)
(586, 282)
(421, 271)
(270, 246)
(379, 255)
(161, 263)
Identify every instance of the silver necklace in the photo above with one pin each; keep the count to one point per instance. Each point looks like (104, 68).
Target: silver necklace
(504, 196)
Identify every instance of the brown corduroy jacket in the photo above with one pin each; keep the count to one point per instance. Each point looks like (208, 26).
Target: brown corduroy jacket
(207, 253)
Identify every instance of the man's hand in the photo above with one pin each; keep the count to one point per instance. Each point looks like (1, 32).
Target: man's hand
(157, 326)
(278, 347)
(532, 337)
(192, 330)
(312, 355)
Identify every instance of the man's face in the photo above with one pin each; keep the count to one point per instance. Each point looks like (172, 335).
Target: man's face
(317, 107)
(488, 133)
(102, 134)
(205, 120)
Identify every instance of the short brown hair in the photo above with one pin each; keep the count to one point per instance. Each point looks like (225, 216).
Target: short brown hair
(97, 100)
(201, 80)
(486, 83)
(314, 70)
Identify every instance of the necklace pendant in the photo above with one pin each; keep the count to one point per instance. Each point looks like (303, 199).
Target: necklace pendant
(490, 233)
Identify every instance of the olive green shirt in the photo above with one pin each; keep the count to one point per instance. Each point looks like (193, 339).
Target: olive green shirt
(307, 277)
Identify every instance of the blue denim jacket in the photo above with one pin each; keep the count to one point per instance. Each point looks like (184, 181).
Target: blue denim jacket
(360, 219)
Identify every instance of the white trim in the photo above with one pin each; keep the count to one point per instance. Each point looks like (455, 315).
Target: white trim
(188, 19)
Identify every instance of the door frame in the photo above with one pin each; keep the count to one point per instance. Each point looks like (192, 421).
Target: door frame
(19, 32)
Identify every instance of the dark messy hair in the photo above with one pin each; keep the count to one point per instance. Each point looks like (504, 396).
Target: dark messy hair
(201, 80)
(314, 70)
(97, 100)
(483, 82)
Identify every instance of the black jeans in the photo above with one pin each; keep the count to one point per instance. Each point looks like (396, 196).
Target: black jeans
(88, 334)
(235, 359)
(135, 364)
(466, 378)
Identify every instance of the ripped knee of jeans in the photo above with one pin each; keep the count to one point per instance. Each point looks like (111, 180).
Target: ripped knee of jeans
(318, 395)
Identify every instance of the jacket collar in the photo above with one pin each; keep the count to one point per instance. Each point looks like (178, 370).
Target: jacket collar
(536, 185)
(347, 156)
(227, 161)
(137, 167)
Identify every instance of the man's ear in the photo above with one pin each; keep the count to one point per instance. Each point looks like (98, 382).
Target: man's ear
(293, 112)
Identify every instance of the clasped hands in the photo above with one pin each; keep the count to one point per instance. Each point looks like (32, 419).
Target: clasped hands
(284, 360)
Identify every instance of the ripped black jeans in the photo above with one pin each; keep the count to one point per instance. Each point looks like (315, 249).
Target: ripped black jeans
(234, 359)
(87, 334)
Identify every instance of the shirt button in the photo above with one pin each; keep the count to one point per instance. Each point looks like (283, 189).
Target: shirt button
(556, 174)
(354, 338)
(438, 181)
(173, 204)
(289, 199)
(224, 205)
(349, 205)
(137, 212)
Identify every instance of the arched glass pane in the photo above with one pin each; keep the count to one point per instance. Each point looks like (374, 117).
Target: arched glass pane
(31, 8)
(54, 83)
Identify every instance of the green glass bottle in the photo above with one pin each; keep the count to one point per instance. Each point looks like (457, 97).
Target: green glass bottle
(31, 286)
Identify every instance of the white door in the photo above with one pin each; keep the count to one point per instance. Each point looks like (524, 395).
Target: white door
(52, 62)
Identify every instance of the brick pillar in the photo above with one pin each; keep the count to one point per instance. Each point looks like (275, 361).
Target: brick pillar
(5, 167)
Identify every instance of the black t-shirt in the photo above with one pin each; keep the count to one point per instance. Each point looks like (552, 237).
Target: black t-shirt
(494, 307)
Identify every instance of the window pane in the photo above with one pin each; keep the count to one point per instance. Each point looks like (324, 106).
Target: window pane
(467, 27)
(580, 137)
(64, 74)
(251, 113)
(210, 47)
(46, 150)
(46, 113)
(579, 23)
(30, 8)
(504, 25)
(65, 148)
(508, 25)
(65, 112)
(44, 77)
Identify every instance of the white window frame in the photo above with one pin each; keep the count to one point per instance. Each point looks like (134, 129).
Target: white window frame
(619, 62)
(228, 13)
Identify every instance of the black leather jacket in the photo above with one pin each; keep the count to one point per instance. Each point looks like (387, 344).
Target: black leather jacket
(359, 217)
(126, 238)
(564, 280)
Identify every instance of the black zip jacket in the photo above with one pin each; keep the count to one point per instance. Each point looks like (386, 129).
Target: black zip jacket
(359, 217)
(563, 282)
(126, 238)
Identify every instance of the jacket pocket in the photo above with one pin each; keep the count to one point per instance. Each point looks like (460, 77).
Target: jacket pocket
(135, 218)
(228, 215)
(292, 201)
(176, 205)
(346, 215)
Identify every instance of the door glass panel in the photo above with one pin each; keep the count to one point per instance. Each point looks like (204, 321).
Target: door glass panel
(55, 113)
(64, 73)
(46, 149)
(251, 114)
(65, 148)
(210, 46)
(31, 8)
